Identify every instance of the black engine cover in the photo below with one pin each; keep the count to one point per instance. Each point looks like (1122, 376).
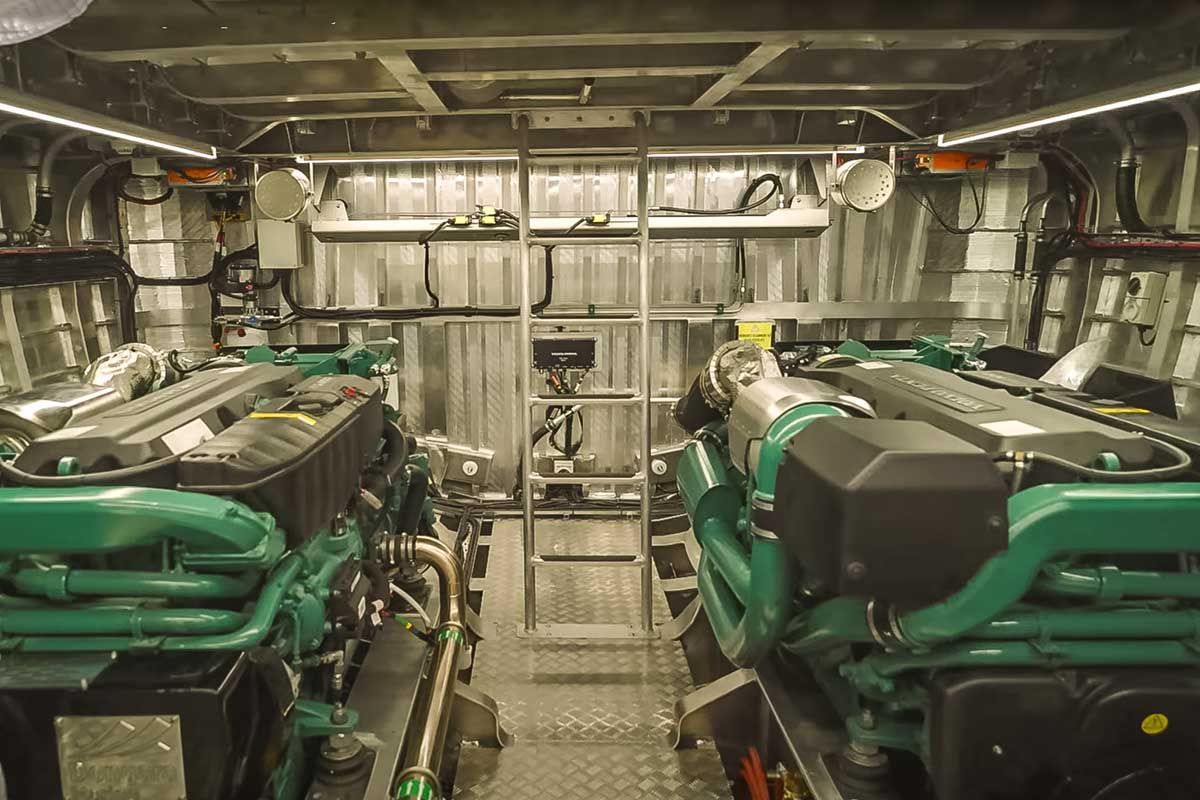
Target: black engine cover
(170, 421)
(231, 709)
(1121, 734)
(298, 457)
(892, 509)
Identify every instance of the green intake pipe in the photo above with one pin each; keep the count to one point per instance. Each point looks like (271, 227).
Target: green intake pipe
(748, 596)
(1054, 520)
(1112, 583)
(64, 584)
(1133, 623)
(100, 519)
(132, 621)
(876, 671)
(1046, 522)
(243, 633)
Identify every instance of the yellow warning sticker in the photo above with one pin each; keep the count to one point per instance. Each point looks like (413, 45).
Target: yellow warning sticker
(305, 418)
(1154, 724)
(1121, 410)
(761, 333)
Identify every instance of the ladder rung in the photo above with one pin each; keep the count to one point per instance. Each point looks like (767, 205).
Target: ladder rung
(615, 479)
(588, 560)
(585, 399)
(588, 240)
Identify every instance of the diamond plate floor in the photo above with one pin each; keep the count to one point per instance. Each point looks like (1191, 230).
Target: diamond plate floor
(588, 718)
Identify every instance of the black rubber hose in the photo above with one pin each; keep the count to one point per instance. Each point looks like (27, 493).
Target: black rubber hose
(380, 589)
(1126, 197)
(43, 210)
(692, 411)
(396, 444)
(1182, 462)
(413, 508)
(12, 475)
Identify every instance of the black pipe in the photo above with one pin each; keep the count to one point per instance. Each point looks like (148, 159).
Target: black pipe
(1126, 197)
(413, 508)
(692, 411)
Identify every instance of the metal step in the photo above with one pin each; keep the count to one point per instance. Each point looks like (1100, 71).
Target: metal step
(588, 560)
(592, 478)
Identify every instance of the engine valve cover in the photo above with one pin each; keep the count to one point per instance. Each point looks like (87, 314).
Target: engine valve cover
(297, 457)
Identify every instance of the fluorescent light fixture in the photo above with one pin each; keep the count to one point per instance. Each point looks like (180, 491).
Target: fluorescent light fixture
(56, 113)
(384, 158)
(826, 151)
(409, 158)
(1135, 94)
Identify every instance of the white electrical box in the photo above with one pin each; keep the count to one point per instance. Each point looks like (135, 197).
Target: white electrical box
(1143, 298)
(278, 244)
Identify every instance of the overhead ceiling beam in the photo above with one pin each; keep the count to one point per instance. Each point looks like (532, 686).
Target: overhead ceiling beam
(873, 86)
(301, 97)
(410, 77)
(216, 53)
(578, 72)
(755, 60)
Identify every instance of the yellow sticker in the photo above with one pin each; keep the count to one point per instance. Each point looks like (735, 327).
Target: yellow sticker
(305, 418)
(761, 333)
(1154, 724)
(1121, 410)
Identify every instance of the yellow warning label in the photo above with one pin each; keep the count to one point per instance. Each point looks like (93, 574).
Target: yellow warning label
(761, 333)
(1122, 410)
(305, 418)
(1154, 724)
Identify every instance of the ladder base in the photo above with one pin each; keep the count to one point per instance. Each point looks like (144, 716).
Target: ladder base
(594, 630)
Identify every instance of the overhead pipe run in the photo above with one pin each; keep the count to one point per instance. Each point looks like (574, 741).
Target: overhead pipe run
(44, 193)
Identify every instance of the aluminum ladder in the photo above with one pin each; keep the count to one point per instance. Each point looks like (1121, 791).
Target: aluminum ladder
(534, 561)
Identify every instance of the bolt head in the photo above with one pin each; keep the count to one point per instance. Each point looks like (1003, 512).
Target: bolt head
(856, 570)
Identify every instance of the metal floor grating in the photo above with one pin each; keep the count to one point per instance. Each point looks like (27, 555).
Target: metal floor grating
(588, 717)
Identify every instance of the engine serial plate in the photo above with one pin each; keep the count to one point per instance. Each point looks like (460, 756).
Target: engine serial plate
(121, 758)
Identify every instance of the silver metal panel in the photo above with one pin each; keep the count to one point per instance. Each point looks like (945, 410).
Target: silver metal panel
(123, 758)
(603, 707)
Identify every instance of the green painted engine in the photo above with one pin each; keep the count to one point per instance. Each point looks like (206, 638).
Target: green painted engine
(189, 568)
(996, 598)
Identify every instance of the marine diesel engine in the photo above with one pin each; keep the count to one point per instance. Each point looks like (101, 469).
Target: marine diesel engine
(192, 561)
(996, 597)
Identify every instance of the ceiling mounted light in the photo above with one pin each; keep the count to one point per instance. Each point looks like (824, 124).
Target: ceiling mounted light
(386, 158)
(51, 111)
(409, 158)
(1164, 88)
(790, 151)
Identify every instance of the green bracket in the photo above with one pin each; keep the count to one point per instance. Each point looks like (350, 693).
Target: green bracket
(315, 719)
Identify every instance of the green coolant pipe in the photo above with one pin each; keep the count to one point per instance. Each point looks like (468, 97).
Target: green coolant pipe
(877, 671)
(747, 593)
(105, 621)
(185, 629)
(1111, 583)
(1047, 523)
(99, 519)
(62, 583)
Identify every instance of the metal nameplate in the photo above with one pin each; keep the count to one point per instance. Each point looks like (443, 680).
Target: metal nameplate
(946, 397)
(120, 758)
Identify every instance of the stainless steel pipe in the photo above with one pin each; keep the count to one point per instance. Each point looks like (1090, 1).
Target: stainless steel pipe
(419, 778)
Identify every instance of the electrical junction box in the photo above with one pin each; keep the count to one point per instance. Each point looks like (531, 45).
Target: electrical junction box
(278, 244)
(564, 351)
(1143, 298)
